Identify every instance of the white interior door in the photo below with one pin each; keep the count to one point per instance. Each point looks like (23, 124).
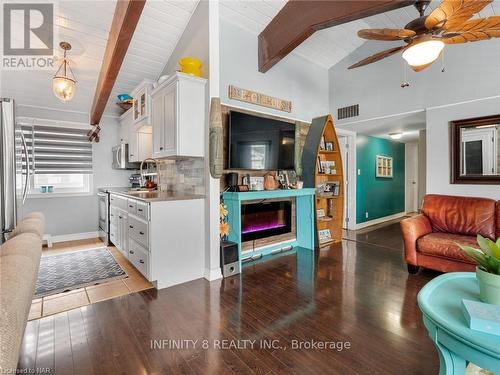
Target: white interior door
(411, 173)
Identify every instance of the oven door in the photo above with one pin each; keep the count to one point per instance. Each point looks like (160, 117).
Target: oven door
(103, 217)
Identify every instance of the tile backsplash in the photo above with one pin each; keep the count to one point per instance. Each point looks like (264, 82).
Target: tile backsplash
(183, 176)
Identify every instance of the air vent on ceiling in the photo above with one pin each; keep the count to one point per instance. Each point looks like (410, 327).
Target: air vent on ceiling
(347, 112)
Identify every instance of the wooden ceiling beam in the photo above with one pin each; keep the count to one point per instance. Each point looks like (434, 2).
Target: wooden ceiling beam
(299, 19)
(125, 19)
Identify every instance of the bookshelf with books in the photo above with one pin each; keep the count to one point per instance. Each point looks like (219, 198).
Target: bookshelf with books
(322, 170)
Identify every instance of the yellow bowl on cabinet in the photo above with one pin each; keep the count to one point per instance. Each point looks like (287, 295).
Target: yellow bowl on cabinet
(190, 65)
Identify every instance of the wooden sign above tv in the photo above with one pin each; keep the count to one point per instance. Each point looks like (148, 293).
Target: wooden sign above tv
(256, 98)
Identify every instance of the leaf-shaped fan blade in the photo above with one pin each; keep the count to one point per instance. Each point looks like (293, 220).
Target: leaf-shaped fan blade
(377, 57)
(474, 30)
(452, 13)
(385, 34)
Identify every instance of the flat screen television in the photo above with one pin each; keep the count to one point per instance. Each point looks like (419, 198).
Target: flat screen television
(260, 143)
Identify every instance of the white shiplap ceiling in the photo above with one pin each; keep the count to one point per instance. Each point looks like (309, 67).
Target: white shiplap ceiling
(160, 28)
(326, 47)
(86, 24)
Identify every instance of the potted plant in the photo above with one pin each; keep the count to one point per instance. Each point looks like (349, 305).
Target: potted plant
(488, 269)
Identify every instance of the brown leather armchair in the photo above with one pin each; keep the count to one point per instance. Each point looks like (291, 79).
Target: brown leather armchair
(430, 238)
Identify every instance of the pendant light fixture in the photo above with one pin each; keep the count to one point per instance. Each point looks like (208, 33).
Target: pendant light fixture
(63, 84)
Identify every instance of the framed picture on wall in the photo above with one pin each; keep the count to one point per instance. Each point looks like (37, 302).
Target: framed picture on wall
(384, 166)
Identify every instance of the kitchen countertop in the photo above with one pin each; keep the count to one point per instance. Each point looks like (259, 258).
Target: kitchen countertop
(156, 196)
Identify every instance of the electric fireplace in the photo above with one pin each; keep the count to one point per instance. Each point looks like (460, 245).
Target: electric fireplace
(265, 219)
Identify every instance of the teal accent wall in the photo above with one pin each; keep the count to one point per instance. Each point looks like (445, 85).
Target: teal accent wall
(378, 196)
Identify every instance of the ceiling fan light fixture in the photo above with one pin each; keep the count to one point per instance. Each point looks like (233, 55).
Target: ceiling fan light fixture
(423, 53)
(396, 135)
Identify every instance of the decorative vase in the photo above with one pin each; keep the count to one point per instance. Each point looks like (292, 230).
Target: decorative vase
(489, 286)
(190, 65)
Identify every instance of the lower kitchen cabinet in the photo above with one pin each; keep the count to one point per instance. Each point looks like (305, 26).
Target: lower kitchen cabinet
(163, 240)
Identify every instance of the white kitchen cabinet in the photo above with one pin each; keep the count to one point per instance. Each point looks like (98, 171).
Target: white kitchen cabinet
(141, 105)
(125, 126)
(139, 139)
(140, 144)
(178, 117)
(118, 217)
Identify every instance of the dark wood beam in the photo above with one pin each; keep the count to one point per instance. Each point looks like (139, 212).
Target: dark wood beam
(299, 19)
(125, 19)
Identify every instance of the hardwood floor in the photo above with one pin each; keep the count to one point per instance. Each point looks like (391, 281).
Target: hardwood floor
(56, 303)
(353, 292)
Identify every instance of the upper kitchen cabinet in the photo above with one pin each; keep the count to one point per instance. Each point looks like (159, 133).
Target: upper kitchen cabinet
(138, 138)
(178, 117)
(141, 106)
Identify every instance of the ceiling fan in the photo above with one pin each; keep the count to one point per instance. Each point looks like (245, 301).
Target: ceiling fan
(426, 36)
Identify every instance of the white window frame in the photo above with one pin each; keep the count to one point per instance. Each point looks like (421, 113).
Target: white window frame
(58, 193)
(36, 193)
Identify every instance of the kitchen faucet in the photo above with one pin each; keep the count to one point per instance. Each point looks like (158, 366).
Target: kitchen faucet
(157, 173)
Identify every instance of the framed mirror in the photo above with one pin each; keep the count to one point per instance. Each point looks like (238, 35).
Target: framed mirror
(475, 151)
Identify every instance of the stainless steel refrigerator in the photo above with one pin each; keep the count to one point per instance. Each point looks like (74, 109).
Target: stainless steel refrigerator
(14, 168)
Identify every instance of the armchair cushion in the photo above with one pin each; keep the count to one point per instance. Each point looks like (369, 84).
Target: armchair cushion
(413, 228)
(461, 215)
(445, 245)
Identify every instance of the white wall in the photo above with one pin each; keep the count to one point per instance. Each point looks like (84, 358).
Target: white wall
(470, 74)
(438, 147)
(79, 214)
(193, 42)
(293, 78)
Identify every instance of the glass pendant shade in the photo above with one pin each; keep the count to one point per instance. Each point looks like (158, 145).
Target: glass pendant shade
(64, 88)
(423, 53)
(64, 85)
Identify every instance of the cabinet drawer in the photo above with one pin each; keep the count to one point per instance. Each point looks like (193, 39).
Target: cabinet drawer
(131, 206)
(138, 230)
(142, 210)
(118, 201)
(139, 257)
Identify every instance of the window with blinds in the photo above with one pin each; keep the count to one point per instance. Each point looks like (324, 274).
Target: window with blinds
(59, 159)
(58, 150)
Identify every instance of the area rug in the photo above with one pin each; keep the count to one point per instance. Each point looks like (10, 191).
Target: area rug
(68, 271)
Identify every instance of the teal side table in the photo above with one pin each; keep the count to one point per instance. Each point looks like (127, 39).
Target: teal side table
(440, 301)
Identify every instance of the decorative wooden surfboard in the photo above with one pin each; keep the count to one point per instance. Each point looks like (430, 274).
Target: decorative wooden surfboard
(319, 167)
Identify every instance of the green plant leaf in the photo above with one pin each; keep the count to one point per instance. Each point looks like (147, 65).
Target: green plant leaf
(493, 265)
(475, 254)
(484, 244)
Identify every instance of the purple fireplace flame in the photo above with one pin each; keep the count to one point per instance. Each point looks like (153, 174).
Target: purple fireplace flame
(261, 227)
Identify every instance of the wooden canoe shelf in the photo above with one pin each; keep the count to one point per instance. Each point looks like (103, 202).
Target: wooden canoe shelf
(321, 132)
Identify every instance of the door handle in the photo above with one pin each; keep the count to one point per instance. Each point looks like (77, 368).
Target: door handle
(26, 155)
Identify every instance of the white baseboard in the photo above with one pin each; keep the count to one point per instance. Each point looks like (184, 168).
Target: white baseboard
(74, 236)
(380, 220)
(212, 275)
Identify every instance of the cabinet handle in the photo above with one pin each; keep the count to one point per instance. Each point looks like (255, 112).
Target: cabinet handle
(142, 233)
(131, 252)
(141, 261)
(131, 226)
(120, 217)
(131, 206)
(139, 209)
(161, 148)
